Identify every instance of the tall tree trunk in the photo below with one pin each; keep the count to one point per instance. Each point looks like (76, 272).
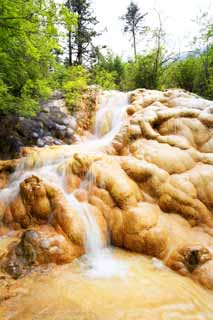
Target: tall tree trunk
(80, 53)
(69, 36)
(158, 53)
(79, 39)
(156, 63)
(134, 42)
(70, 47)
(206, 62)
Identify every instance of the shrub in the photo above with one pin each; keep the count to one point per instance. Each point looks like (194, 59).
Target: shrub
(74, 85)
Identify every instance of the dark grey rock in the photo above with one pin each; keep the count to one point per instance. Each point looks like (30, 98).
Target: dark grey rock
(60, 127)
(57, 94)
(40, 143)
(50, 126)
(58, 142)
(35, 135)
(69, 133)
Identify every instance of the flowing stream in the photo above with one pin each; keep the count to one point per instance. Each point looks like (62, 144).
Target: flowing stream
(106, 283)
(111, 114)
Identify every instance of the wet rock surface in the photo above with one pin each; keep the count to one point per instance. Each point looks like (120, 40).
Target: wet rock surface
(148, 188)
(53, 125)
(37, 246)
(65, 292)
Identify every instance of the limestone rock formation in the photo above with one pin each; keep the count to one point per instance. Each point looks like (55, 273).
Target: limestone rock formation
(148, 188)
(6, 168)
(38, 246)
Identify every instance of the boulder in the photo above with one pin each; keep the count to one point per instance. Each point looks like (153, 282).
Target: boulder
(38, 246)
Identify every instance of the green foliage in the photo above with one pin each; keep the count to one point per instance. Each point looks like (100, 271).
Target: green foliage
(105, 79)
(68, 17)
(80, 39)
(75, 81)
(195, 71)
(29, 39)
(139, 73)
(30, 55)
(111, 72)
(191, 73)
(108, 71)
(23, 105)
(182, 74)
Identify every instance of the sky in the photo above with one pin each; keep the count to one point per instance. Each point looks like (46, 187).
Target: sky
(177, 17)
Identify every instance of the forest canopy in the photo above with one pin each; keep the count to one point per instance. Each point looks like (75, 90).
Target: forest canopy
(46, 45)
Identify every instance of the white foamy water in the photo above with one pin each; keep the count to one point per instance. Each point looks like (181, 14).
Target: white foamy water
(158, 264)
(112, 108)
(104, 265)
(100, 261)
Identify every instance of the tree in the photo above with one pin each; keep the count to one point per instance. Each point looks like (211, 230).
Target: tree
(74, 85)
(80, 41)
(133, 23)
(29, 40)
(193, 71)
(184, 74)
(108, 71)
(158, 35)
(139, 73)
(204, 45)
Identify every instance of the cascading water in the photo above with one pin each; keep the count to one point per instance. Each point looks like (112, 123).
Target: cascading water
(111, 113)
(100, 260)
(127, 285)
(112, 106)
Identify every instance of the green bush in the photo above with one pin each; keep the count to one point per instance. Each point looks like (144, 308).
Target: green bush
(74, 85)
(29, 41)
(108, 72)
(23, 105)
(140, 73)
(105, 79)
(182, 74)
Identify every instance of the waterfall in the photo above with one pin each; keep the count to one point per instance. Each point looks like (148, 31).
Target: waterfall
(112, 114)
(100, 261)
(112, 105)
(113, 102)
